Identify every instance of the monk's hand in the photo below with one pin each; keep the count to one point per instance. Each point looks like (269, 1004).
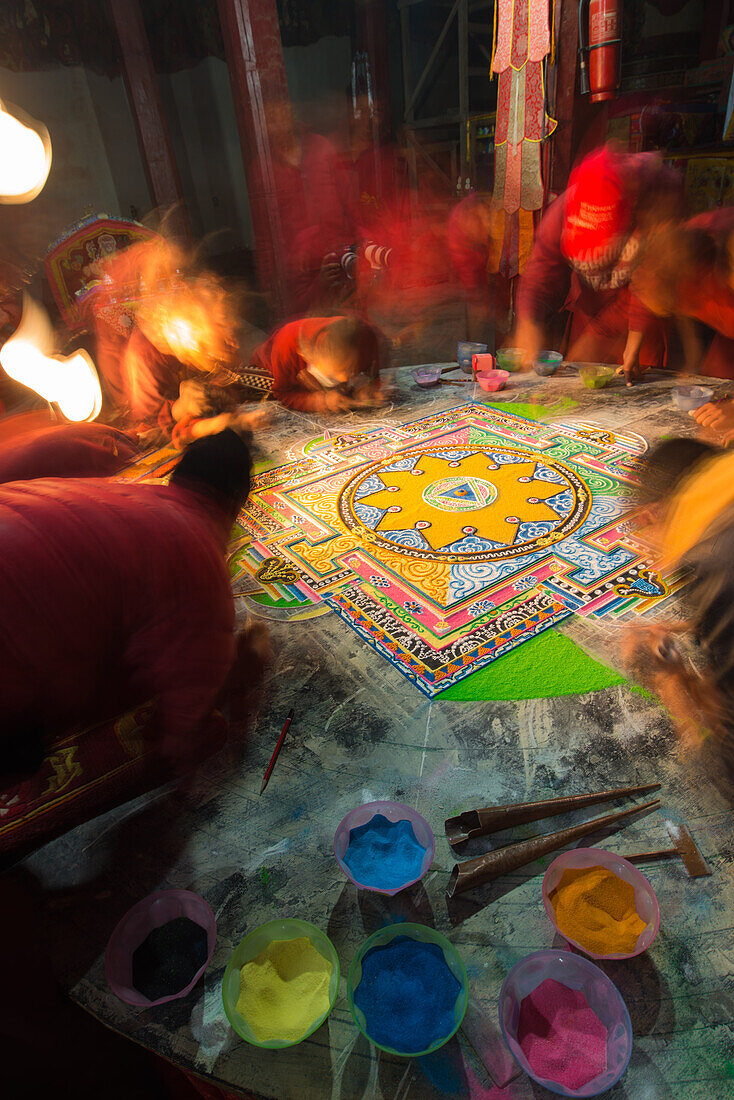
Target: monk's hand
(334, 401)
(529, 338)
(718, 417)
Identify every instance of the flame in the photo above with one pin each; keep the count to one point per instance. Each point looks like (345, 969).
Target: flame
(25, 157)
(71, 381)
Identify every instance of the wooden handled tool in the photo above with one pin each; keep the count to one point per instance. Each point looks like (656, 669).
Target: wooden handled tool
(493, 819)
(684, 846)
(475, 872)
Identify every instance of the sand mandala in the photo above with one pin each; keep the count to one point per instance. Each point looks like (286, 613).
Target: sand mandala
(450, 540)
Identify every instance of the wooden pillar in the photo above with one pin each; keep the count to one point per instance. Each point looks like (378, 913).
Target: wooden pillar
(463, 35)
(257, 74)
(150, 122)
(565, 93)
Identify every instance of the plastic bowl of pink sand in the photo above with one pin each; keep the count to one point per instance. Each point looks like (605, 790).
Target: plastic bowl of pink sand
(393, 811)
(603, 998)
(137, 924)
(646, 902)
(425, 377)
(493, 380)
(688, 398)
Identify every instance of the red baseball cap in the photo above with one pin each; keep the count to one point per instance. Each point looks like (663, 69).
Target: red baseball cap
(598, 211)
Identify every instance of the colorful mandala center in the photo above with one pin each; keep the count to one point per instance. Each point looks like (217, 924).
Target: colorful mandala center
(459, 494)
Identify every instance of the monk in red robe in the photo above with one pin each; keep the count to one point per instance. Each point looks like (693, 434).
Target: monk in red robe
(324, 364)
(115, 594)
(586, 249)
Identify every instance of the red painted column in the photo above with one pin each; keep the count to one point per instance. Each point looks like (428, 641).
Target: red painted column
(150, 122)
(257, 73)
(371, 34)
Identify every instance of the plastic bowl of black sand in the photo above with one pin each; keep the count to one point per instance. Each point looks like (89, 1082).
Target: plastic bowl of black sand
(645, 898)
(378, 847)
(415, 981)
(253, 945)
(595, 376)
(547, 362)
(688, 398)
(425, 377)
(160, 948)
(527, 979)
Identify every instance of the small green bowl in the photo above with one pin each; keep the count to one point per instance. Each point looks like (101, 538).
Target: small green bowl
(253, 945)
(423, 934)
(510, 359)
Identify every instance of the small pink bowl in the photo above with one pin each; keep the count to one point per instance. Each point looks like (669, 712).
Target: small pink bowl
(646, 902)
(137, 924)
(393, 811)
(493, 380)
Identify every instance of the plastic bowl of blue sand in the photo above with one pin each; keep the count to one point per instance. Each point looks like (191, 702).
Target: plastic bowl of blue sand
(164, 916)
(407, 989)
(384, 847)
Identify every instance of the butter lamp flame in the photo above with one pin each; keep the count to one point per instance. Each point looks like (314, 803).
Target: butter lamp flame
(70, 382)
(25, 156)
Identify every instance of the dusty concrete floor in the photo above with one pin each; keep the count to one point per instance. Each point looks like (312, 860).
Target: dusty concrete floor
(363, 732)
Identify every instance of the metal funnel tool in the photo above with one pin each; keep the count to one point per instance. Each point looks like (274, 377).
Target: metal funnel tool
(684, 846)
(475, 872)
(493, 819)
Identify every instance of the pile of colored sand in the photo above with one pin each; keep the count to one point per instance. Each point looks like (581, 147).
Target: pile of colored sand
(407, 994)
(596, 908)
(284, 990)
(561, 1036)
(168, 958)
(384, 854)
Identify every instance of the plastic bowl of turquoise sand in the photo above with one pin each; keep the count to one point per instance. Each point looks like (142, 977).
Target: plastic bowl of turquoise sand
(602, 996)
(254, 943)
(646, 902)
(419, 933)
(394, 812)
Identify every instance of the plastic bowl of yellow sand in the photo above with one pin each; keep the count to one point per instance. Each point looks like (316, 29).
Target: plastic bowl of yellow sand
(252, 946)
(596, 376)
(645, 900)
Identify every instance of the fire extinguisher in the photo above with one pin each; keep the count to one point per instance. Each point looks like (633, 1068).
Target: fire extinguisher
(599, 42)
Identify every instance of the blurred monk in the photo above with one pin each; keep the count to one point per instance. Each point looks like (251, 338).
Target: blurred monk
(586, 249)
(115, 594)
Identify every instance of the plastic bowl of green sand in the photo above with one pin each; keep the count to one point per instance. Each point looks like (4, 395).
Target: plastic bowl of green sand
(281, 983)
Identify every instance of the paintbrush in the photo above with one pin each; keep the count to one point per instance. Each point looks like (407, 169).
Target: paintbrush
(276, 751)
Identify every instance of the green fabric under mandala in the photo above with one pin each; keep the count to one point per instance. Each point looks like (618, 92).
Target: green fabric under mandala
(543, 667)
(534, 412)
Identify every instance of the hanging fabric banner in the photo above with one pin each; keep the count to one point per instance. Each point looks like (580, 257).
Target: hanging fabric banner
(522, 41)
